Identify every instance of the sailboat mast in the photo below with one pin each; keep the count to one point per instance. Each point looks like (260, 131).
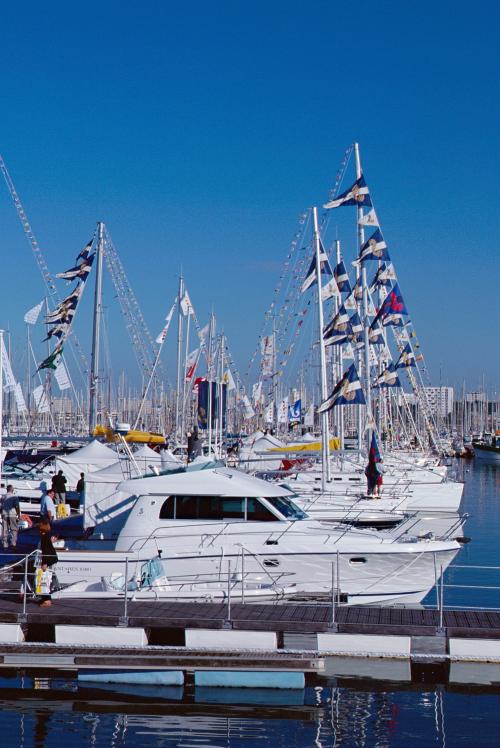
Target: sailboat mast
(325, 440)
(96, 332)
(340, 409)
(179, 359)
(364, 285)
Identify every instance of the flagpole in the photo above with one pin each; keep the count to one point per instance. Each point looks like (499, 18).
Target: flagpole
(183, 407)
(325, 440)
(179, 357)
(94, 370)
(361, 240)
(1, 401)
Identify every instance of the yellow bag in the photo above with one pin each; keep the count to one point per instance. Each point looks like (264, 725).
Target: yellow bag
(62, 511)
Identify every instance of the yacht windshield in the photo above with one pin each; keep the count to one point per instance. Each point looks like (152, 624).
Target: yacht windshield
(286, 507)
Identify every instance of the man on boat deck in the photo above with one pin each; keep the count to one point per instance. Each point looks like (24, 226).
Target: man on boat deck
(59, 487)
(11, 514)
(47, 506)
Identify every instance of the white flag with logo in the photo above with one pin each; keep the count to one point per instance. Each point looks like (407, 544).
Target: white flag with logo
(61, 376)
(257, 394)
(267, 352)
(228, 379)
(369, 219)
(269, 412)
(41, 401)
(203, 333)
(186, 306)
(168, 319)
(8, 376)
(283, 411)
(32, 315)
(248, 411)
(191, 362)
(330, 290)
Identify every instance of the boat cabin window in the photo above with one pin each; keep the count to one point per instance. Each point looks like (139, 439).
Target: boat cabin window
(219, 508)
(286, 507)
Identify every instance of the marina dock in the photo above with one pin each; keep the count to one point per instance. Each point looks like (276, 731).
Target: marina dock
(243, 642)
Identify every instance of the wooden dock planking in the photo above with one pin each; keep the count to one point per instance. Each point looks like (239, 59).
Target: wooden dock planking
(307, 618)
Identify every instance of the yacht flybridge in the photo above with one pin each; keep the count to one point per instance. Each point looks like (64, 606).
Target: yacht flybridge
(199, 522)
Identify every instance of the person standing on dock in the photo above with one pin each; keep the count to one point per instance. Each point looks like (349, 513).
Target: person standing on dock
(47, 506)
(80, 489)
(11, 514)
(59, 487)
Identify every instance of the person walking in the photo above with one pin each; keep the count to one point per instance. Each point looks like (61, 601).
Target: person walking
(59, 487)
(44, 576)
(11, 514)
(47, 506)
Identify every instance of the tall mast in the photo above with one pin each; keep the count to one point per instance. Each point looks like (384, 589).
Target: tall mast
(96, 333)
(340, 409)
(361, 241)
(179, 359)
(325, 437)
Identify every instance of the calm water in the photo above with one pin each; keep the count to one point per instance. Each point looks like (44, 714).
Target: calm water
(340, 709)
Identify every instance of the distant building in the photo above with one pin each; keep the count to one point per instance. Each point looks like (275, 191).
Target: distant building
(440, 400)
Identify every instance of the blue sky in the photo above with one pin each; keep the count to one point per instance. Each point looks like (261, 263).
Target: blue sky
(200, 132)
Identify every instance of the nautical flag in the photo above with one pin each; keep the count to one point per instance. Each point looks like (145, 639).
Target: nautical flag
(31, 315)
(186, 306)
(59, 331)
(383, 277)
(375, 333)
(228, 380)
(350, 303)
(368, 219)
(295, 412)
(374, 248)
(330, 290)
(283, 411)
(388, 378)
(85, 251)
(203, 333)
(269, 412)
(356, 324)
(337, 338)
(392, 307)
(61, 376)
(325, 268)
(358, 194)
(67, 308)
(406, 359)
(267, 352)
(358, 290)
(50, 362)
(248, 411)
(340, 323)
(168, 319)
(191, 361)
(80, 271)
(342, 277)
(346, 392)
(257, 394)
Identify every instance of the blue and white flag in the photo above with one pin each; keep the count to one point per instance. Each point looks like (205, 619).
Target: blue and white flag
(369, 219)
(358, 290)
(388, 378)
(342, 277)
(375, 333)
(340, 323)
(358, 194)
(406, 359)
(346, 392)
(374, 248)
(351, 303)
(392, 308)
(311, 279)
(80, 271)
(356, 324)
(295, 412)
(383, 277)
(337, 338)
